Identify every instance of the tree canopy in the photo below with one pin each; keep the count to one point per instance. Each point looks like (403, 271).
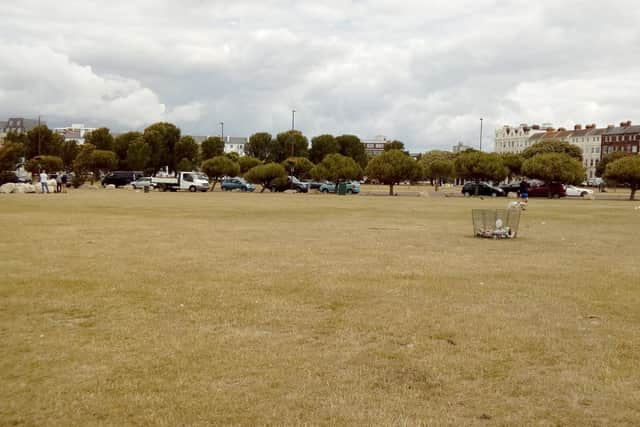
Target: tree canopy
(162, 138)
(259, 146)
(10, 154)
(553, 146)
(301, 166)
(625, 170)
(477, 165)
(211, 147)
(247, 163)
(351, 146)
(289, 144)
(265, 174)
(138, 154)
(121, 146)
(608, 158)
(336, 168)
(43, 163)
(100, 138)
(391, 168)
(513, 163)
(322, 146)
(187, 148)
(218, 167)
(42, 141)
(554, 167)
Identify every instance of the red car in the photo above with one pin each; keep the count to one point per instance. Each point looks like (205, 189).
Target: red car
(541, 189)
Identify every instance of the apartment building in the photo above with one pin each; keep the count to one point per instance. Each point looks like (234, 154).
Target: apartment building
(76, 132)
(625, 138)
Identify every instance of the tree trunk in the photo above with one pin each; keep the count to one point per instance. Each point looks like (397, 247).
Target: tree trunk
(264, 187)
(213, 185)
(391, 189)
(634, 187)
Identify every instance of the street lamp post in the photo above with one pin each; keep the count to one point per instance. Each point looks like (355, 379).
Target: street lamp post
(293, 119)
(480, 133)
(222, 130)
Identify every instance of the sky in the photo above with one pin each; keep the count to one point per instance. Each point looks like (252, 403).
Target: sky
(422, 72)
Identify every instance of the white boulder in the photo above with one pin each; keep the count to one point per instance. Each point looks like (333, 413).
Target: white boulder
(7, 188)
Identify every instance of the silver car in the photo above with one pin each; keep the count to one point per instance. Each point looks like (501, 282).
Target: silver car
(142, 182)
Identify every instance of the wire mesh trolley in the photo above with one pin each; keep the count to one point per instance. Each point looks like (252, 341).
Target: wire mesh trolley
(496, 223)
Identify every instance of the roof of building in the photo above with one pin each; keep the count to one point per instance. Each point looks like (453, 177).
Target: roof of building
(622, 130)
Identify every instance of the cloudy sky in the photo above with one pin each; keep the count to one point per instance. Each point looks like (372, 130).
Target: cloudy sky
(422, 72)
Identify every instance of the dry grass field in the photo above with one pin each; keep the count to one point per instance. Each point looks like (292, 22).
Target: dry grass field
(125, 308)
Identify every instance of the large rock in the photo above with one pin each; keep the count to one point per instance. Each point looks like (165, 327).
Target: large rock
(28, 188)
(7, 188)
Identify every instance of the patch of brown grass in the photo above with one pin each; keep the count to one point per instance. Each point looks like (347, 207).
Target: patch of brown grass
(185, 309)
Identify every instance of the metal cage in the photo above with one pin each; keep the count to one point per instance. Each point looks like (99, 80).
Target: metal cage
(496, 223)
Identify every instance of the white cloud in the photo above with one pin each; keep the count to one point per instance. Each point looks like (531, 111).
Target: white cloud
(420, 71)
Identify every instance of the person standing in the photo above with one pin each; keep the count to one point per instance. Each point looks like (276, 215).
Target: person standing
(64, 183)
(524, 191)
(43, 181)
(59, 183)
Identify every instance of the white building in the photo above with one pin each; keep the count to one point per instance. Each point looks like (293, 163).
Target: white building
(460, 147)
(76, 132)
(235, 144)
(512, 139)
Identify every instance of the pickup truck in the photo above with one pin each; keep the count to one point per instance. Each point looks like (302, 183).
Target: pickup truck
(192, 181)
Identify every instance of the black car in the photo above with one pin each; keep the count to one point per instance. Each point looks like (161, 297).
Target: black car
(513, 187)
(120, 178)
(481, 189)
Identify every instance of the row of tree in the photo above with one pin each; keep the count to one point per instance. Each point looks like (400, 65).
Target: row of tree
(271, 158)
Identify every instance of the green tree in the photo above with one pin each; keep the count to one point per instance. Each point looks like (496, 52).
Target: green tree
(554, 167)
(43, 163)
(42, 141)
(233, 156)
(301, 166)
(138, 154)
(100, 138)
(121, 147)
(211, 147)
(322, 146)
(553, 146)
(82, 165)
(391, 168)
(626, 170)
(218, 167)
(265, 174)
(102, 161)
(259, 146)
(187, 148)
(184, 165)
(477, 165)
(513, 163)
(443, 168)
(336, 168)
(289, 144)
(247, 163)
(162, 138)
(395, 145)
(608, 158)
(351, 146)
(68, 152)
(10, 154)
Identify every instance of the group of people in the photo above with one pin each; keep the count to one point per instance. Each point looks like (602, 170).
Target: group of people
(61, 182)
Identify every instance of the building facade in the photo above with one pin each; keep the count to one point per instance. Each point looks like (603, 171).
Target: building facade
(460, 147)
(625, 138)
(515, 139)
(235, 144)
(375, 146)
(75, 132)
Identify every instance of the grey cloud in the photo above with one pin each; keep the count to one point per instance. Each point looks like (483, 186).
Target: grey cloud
(420, 71)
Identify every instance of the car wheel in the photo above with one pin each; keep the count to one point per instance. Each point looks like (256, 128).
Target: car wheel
(192, 189)
(494, 194)
(556, 196)
(583, 194)
(243, 189)
(324, 190)
(467, 194)
(349, 191)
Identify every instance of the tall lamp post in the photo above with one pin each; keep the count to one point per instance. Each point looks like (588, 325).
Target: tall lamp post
(222, 130)
(480, 133)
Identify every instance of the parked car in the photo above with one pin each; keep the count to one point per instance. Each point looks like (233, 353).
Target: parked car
(291, 183)
(574, 191)
(594, 182)
(142, 182)
(353, 187)
(314, 185)
(236, 183)
(513, 187)
(120, 178)
(542, 189)
(481, 189)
